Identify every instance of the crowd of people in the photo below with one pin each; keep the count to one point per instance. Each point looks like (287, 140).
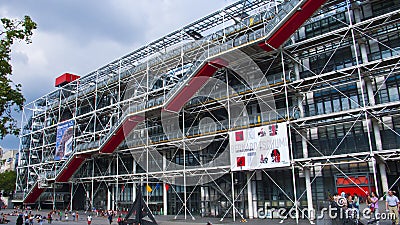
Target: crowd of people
(29, 218)
(349, 202)
(346, 200)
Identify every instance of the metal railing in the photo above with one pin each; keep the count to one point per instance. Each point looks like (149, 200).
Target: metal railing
(285, 10)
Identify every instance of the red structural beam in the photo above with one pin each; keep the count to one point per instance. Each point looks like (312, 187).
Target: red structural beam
(127, 126)
(63, 176)
(71, 167)
(195, 83)
(291, 25)
(34, 194)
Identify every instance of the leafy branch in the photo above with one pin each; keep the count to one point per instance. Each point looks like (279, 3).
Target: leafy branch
(10, 93)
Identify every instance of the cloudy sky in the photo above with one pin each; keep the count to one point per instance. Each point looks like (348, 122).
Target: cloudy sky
(80, 36)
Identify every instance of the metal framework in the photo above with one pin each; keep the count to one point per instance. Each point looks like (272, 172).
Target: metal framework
(335, 83)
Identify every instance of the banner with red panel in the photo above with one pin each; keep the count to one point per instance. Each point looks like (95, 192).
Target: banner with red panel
(259, 147)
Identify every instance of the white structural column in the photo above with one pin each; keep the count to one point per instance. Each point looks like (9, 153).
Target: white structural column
(206, 198)
(381, 164)
(113, 196)
(203, 202)
(306, 170)
(307, 176)
(54, 197)
(72, 196)
(108, 198)
(233, 197)
(254, 198)
(117, 191)
(371, 99)
(250, 196)
(92, 188)
(165, 199)
(134, 184)
(165, 191)
(377, 133)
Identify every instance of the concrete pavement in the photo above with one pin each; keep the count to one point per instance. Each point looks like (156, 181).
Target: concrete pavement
(171, 220)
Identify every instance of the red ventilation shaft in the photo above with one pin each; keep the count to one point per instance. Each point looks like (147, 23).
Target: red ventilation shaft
(65, 79)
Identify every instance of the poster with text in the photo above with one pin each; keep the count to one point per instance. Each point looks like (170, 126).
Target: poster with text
(64, 140)
(259, 147)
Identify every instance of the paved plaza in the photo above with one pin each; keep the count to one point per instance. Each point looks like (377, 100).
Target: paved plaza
(171, 220)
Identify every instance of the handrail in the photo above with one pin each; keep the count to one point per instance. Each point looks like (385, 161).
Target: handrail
(285, 10)
(213, 51)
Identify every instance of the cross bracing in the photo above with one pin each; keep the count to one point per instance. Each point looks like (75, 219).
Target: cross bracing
(333, 83)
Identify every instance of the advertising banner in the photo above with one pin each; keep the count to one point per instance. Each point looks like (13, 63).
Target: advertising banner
(259, 148)
(64, 140)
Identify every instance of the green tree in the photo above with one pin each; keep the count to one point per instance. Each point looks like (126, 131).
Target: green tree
(7, 182)
(11, 97)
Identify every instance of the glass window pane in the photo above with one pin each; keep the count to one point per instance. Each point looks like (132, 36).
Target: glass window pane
(345, 103)
(328, 106)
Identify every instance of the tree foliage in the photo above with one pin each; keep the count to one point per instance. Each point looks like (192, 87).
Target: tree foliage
(10, 93)
(7, 181)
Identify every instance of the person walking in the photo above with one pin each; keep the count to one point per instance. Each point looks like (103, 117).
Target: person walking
(89, 220)
(110, 217)
(77, 216)
(50, 217)
(356, 202)
(349, 202)
(20, 220)
(374, 207)
(392, 205)
(26, 220)
(40, 220)
(31, 218)
(120, 221)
